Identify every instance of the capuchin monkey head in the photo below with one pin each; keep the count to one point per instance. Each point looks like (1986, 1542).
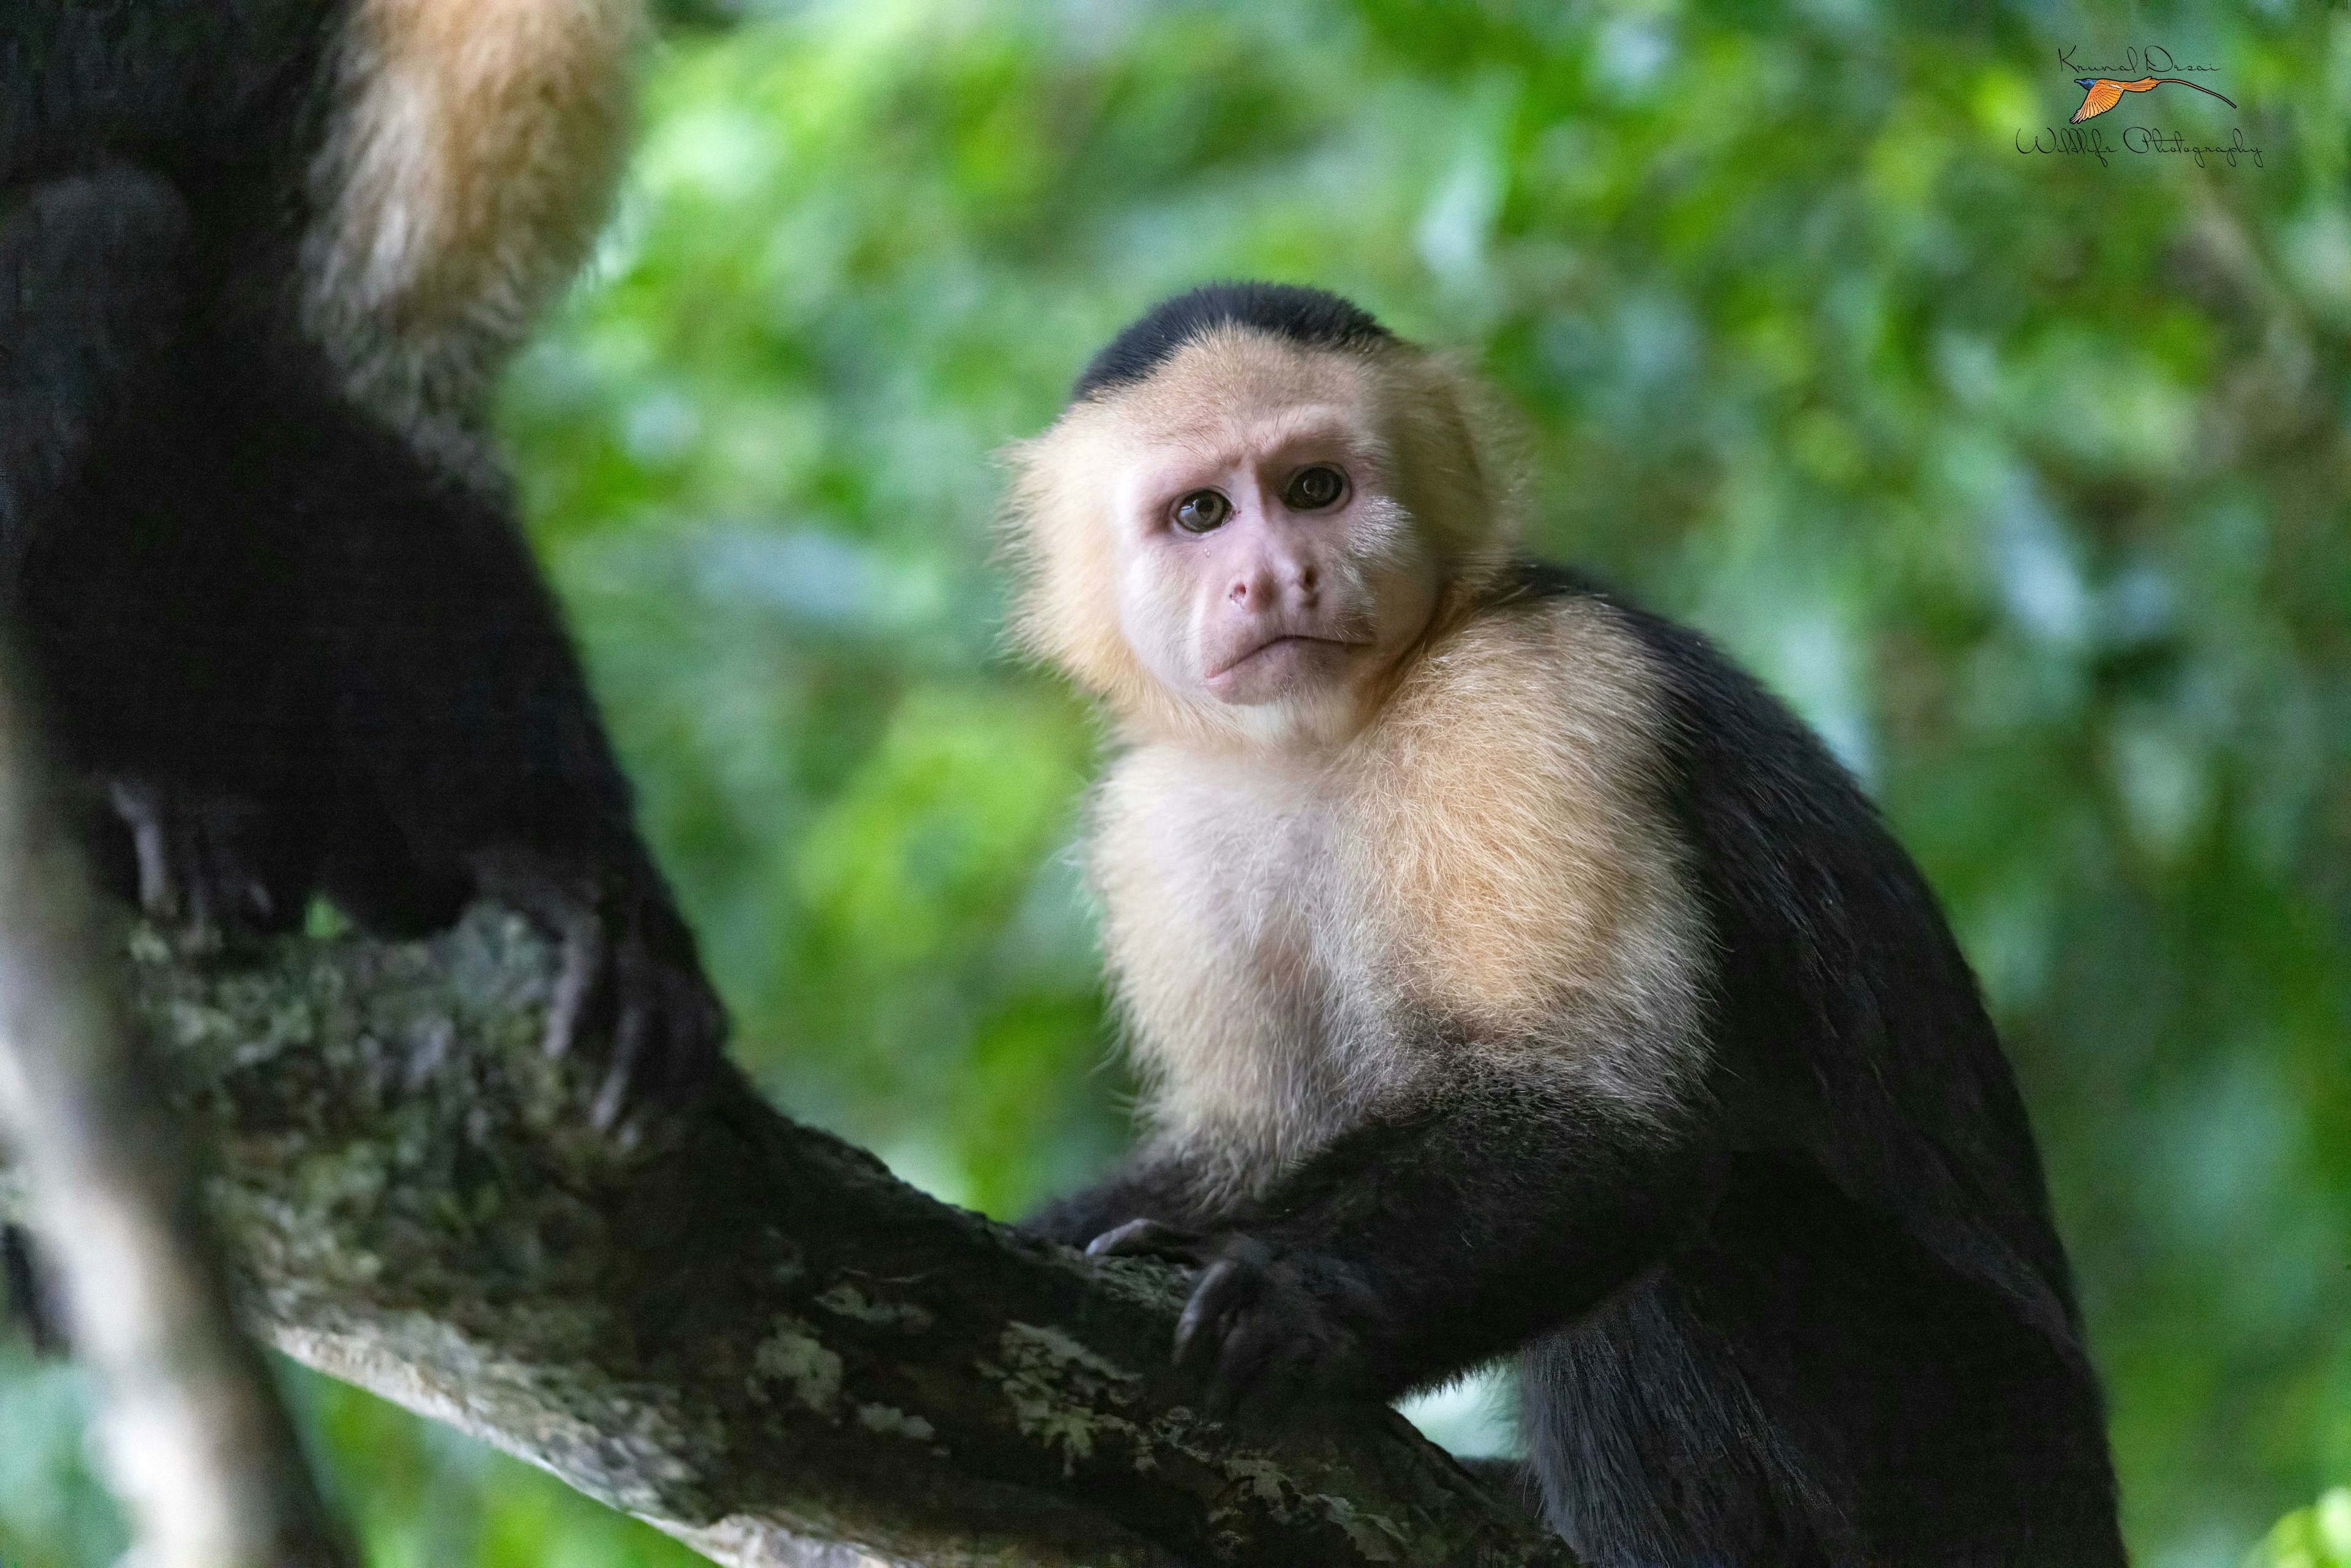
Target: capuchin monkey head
(1257, 506)
(1262, 556)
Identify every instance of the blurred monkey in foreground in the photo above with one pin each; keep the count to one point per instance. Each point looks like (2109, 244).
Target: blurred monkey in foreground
(260, 262)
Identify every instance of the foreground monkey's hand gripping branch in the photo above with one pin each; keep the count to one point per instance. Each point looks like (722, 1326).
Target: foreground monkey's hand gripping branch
(1513, 976)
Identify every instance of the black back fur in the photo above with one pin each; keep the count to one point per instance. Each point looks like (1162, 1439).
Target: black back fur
(1869, 1350)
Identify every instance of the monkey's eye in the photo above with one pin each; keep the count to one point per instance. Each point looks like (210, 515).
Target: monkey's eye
(1312, 489)
(1201, 511)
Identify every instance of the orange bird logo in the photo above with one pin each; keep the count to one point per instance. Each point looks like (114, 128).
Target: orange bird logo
(2101, 93)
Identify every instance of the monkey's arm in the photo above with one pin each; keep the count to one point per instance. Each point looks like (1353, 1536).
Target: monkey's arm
(460, 711)
(89, 306)
(1427, 1241)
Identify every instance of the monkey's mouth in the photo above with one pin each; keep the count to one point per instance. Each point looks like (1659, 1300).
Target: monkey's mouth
(1259, 672)
(1289, 642)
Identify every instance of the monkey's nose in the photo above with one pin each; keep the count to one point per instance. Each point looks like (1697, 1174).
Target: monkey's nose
(1257, 586)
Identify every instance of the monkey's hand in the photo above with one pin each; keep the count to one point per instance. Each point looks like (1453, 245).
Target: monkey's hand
(630, 976)
(202, 864)
(1264, 1330)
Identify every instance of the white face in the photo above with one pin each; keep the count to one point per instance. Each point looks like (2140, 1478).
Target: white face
(1267, 563)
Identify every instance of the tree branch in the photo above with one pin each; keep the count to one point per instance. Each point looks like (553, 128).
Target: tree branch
(741, 1330)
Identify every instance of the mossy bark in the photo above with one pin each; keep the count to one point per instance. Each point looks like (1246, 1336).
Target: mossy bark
(741, 1330)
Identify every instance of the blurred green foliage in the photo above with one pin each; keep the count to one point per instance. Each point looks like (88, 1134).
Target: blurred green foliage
(2314, 1537)
(2022, 475)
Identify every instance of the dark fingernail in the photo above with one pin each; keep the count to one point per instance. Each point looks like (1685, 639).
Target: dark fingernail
(1117, 1236)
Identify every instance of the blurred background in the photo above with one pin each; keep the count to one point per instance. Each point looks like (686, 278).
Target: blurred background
(2023, 474)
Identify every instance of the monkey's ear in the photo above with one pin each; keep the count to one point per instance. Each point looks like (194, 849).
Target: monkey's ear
(1458, 468)
(1057, 535)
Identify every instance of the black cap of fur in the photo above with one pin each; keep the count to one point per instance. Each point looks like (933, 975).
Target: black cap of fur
(1308, 315)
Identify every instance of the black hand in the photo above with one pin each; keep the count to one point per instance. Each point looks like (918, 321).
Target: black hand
(1417, 1245)
(631, 977)
(1263, 1331)
(208, 864)
(460, 706)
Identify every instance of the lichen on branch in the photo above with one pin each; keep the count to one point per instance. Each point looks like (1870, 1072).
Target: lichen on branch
(739, 1329)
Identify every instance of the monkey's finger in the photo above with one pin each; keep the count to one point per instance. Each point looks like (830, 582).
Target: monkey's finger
(1256, 1368)
(1146, 1238)
(638, 1016)
(228, 887)
(586, 962)
(631, 1031)
(1226, 1287)
(180, 894)
(695, 1038)
(688, 1042)
(1125, 1241)
(201, 893)
(206, 888)
(136, 805)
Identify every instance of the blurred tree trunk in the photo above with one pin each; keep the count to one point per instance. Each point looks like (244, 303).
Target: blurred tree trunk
(193, 1436)
(738, 1329)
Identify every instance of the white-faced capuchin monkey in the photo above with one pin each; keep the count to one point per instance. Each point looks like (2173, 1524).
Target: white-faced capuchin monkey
(1511, 973)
